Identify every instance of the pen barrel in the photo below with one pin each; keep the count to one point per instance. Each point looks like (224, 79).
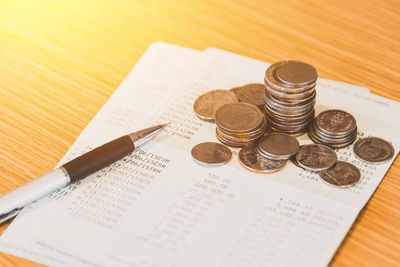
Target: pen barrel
(33, 190)
(99, 158)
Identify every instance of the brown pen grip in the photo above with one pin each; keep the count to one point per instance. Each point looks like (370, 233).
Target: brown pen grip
(99, 158)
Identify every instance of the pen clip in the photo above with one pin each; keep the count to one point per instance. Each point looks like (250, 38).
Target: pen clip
(6, 216)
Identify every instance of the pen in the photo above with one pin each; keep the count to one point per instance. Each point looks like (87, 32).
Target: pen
(12, 202)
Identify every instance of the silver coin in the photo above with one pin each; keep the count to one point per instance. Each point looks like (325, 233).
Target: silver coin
(296, 73)
(251, 160)
(211, 154)
(335, 122)
(316, 157)
(307, 95)
(290, 96)
(289, 102)
(278, 146)
(336, 137)
(273, 81)
(342, 174)
(373, 150)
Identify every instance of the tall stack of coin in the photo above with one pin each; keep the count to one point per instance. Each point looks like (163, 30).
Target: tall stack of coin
(239, 124)
(290, 96)
(334, 128)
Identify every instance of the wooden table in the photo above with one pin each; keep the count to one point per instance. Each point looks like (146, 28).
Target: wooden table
(61, 60)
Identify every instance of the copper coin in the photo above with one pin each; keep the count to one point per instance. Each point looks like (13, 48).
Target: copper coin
(278, 146)
(211, 154)
(296, 72)
(335, 122)
(207, 104)
(252, 93)
(343, 174)
(373, 150)
(239, 117)
(251, 160)
(316, 157)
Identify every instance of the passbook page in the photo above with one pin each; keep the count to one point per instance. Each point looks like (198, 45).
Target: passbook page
(289, 218)
(157, 207)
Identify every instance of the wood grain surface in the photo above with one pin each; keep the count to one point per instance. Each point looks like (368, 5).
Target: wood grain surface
(61, 60)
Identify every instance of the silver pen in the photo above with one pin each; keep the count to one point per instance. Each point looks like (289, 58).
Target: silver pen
(12, 202)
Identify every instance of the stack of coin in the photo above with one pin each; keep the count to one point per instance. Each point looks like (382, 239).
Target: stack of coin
(290, 96)
(239, 124)
(334, 128)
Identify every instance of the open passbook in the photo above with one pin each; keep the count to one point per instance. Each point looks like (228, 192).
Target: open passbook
(157, 207)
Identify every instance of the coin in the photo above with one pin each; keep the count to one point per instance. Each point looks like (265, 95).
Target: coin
(251, 160)
(290, 96)
(252, 93)
(239, 117)
(278, 146)
(211, 154)
(272, 81)
(207, 104)
(294, 161)
(335, 122)
(239, 124)
(316, 157)
(234, 141)
(334, 128)
(343, 174)
(373, 150)
(332, 142)
(296, 72)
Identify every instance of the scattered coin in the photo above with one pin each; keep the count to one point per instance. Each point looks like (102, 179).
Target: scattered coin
(343, 174)
(239, 124)
(334, 128)
(290, 96)
(278, 146)
(207, 104)
(285, 103)
(316, 157)
(211, 154)
(373, 150)
(251, 160)
(252, 93)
